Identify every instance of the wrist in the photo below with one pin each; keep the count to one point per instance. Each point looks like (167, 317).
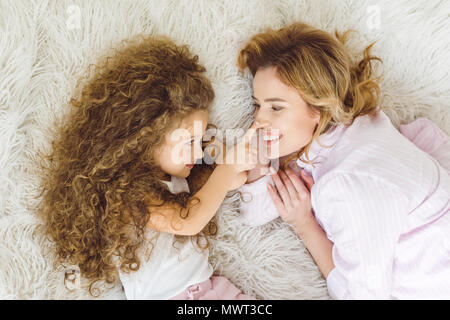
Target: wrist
(306, 226)
(229, 168)
(254, 175)
(258, 172)
(240, 180)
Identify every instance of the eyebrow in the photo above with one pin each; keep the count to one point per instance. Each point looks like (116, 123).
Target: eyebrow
(272, 99)
(198, 136)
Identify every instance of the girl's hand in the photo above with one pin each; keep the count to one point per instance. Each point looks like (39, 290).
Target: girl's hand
(292, 198)
(246, 147)
(218, 152)
(263, 163)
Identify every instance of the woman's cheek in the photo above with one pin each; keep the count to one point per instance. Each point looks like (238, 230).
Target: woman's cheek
(294, 140)
(306, 127)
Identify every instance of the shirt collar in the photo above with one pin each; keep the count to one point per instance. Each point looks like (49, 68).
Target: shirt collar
(176, 184)
(316, 152)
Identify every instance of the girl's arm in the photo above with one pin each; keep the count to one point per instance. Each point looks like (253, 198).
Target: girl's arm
(167, 218)
(224, 177)
(201, 172)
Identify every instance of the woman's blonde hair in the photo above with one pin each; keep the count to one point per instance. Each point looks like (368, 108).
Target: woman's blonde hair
(101, 177)
(319, 67)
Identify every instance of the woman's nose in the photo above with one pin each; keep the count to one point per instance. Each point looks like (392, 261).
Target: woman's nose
(260, 121)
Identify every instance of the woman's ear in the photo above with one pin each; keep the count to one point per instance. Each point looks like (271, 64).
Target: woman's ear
(317, 116)
(313, 113)
(317, 119)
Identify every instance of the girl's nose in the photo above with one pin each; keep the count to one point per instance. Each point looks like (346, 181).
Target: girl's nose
(198, 153)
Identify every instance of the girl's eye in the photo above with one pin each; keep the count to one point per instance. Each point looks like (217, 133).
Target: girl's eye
(256, 105)
(190, 142)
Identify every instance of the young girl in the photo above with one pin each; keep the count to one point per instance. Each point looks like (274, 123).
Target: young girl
(373, 208)
(117, 201)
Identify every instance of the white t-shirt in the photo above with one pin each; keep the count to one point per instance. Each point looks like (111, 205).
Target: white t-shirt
(171, 268)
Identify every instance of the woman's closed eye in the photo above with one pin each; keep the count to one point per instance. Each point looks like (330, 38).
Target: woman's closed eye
(276, 108)
(273, 108)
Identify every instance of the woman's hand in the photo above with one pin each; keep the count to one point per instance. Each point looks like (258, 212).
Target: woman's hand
(292, 198)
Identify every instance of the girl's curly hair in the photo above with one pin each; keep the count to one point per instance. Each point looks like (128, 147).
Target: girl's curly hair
(100, 176)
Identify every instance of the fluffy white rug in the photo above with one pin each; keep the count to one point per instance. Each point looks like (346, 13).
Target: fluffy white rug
(46, 45)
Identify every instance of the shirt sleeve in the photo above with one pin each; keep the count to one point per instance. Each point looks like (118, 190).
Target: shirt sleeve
(364, 216)
(256, 205)
(427, 136)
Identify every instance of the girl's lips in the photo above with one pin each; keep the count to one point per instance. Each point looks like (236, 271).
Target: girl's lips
(190, 166)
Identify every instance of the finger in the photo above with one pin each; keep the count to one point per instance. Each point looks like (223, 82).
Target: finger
(254, 125)
(250, 133)
(276, 199)
(262, 148)
(280, 187)
(288, 184)
(296, 181)
(251, 147)
(253, 156)
(308, 179)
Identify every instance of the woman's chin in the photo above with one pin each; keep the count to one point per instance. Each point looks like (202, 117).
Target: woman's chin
(277, 155)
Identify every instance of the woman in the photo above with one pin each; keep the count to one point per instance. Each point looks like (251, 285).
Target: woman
(374, 213)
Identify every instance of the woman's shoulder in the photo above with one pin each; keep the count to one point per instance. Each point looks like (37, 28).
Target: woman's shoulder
(412, 177)
(341, 180)
(375, 147)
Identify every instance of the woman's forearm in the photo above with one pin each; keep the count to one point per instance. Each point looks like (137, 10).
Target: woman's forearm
(319, 246)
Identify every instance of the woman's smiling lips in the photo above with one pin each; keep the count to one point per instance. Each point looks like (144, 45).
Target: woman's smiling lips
(271, 139)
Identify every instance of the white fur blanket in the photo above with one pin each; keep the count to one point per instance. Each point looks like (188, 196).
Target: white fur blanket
(46, 45)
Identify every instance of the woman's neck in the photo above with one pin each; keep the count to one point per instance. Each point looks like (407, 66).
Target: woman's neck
(286, 157)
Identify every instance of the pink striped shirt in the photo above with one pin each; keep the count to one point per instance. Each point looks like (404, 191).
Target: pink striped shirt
(383, 199)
